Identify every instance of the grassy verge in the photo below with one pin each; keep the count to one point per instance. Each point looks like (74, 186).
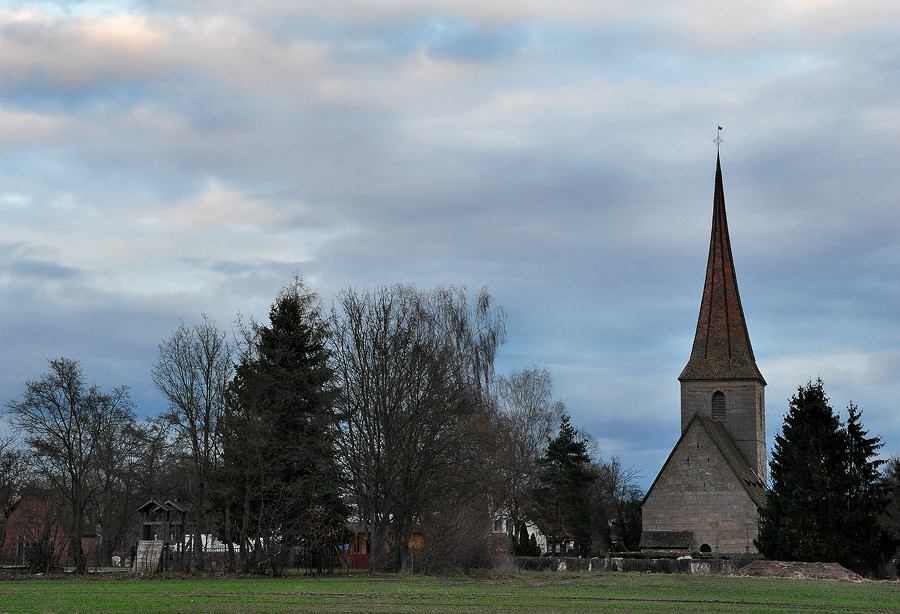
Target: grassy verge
(531, 592)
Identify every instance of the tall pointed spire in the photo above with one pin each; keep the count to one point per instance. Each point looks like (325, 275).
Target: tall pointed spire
(721, 344)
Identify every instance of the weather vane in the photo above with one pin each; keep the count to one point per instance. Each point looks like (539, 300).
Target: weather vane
(718, 140)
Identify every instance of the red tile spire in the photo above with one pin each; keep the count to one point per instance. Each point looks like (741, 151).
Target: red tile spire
(721, 344)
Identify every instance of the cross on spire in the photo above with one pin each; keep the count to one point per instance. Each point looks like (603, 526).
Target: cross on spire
(718, 140)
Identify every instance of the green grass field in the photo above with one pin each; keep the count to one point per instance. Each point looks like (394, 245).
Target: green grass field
(528, 592)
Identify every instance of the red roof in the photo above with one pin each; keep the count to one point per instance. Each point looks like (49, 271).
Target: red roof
(721, 344)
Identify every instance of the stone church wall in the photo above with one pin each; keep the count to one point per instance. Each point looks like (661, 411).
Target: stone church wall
(745, 422)
(697, 491)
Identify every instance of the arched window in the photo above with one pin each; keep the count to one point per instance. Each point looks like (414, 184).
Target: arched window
(705, 548)
(718, 406)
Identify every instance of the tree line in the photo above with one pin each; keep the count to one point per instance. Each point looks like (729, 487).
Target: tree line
(384, 409)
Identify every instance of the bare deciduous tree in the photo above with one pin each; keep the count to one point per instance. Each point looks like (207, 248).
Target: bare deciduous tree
(123, 474)
(527, 419)
(65, 423)
(192, 371)
(413, 367)
(617, 503)
(13, 470)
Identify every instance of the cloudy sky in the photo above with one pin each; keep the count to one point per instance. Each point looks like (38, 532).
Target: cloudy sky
(161, 159)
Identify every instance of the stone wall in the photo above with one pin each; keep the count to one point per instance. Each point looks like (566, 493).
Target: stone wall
(626, 565)
(697, 491)
(745, 414)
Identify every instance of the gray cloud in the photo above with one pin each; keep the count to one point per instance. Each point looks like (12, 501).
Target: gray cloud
(169, 159)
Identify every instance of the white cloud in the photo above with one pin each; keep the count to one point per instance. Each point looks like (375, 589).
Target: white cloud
(55, 52)
(152, 249)
(28, 128)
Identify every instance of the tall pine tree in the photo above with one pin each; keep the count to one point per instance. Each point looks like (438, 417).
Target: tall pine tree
(561, 494)
(867, 497)
(281, 476)
(826, 497)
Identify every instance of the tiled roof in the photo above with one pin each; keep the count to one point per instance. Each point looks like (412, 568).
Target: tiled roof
(751, 483)
(168, 506)
(755, 488)
(357, 527)
(721, 344)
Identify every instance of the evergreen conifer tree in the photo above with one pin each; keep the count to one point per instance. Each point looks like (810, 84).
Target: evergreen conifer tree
(280, 464)
(526, 545)
(562, 498)
(825, 497)
(533, 548)
(866, 497)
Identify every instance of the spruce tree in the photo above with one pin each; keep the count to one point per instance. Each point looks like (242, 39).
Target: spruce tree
(866, 497)
(800, 519)
(533, 548)
(281, 473)
(825, 497)
(526, 545)
(561, 494)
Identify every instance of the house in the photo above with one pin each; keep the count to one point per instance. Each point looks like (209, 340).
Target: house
(353, 549)
(36, 535)
(504, 526)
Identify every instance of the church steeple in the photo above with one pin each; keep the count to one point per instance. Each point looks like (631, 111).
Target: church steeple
(722, 349)
(709, 492)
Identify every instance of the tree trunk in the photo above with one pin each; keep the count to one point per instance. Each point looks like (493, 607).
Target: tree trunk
(199, 516)
(77, 529)
(378, 548)
(405, 557)
(245, 522)
(230, 564)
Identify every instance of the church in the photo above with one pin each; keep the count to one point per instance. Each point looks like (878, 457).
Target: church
(709, 492)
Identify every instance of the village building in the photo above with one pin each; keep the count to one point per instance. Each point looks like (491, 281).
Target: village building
(35, 535)
(709, 492)
(353, 546)
(503, 526)
(166, 531)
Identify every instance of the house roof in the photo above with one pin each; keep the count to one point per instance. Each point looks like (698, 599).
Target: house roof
(168, 506)
(733, 457)
(722, 347)
(154, 503)
(176, 505)
(357, 527)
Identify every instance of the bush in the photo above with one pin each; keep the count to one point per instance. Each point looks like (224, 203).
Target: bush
(456, 540)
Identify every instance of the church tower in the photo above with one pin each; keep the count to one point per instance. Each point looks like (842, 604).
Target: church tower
(709, 492)
(721, 379)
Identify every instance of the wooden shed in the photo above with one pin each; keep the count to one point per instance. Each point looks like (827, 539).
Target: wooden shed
(166, 529)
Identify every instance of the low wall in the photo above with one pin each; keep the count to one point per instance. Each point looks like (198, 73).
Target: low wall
(631, 564)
